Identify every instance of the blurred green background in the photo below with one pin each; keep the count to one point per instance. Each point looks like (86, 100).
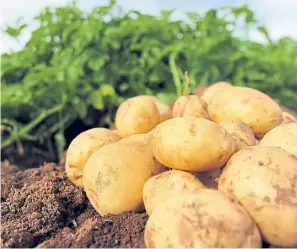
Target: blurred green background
(78, 67)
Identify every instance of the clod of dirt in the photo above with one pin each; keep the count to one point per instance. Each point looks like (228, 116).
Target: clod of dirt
(36, 203)
(91, 230)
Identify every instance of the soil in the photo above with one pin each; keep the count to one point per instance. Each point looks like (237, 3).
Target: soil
(42, 208)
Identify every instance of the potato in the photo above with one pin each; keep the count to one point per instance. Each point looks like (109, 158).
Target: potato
(214, 88)
(284, 136)
(247, 105)
(115, 174)
(82, 147)
(190, 105)
(140, 114)
(203, 218)
(209, 178)
(136, 115)
(263, 180)
(164, 110)
(241, 132)
(192, 144)
(169, 183)
(288, 118)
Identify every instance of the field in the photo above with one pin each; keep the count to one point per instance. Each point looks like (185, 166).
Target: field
(72, 76)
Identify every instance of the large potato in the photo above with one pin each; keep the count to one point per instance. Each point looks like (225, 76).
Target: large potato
(169, 183)
(241, 132)
(82, 147)
(190, 105)
(201, 219)
(264, 181)
(214, 88)
(192, 144)
(284, 136)
(247, 105)
(115, 174)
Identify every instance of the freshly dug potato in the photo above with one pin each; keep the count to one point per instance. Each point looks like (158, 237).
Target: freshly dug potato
(169, 183)
(192, 144)
(214, 88)
(284, 136)
(115, 174)
(203, 218)
(288, 118)
(209, 178)
(190, 105)
(247, 105)
(136, 115)
(264, 181)
(82, 147)
(241, 132)
(164, 110)
(140, 114)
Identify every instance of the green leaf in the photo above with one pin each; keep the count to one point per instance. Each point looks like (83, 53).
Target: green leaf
(97, 100)
(166, 98)
(107, 90)
(60, 143)
(97, 63)
(15, 32)
(80, 107)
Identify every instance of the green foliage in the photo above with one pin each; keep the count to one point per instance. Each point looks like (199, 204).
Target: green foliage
(82, 66)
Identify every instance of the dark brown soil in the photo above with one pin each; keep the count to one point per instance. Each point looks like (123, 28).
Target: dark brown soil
(41, 208)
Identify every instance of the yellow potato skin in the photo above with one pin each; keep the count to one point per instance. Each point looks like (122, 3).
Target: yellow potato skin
(115, 174)
(214, 88)
(203, 218)
(169, 183)
(190, 105)
(136, 115)
(283, 136)
(192, 144)
(241, 132)
(82, 147)
(247, 105)
(263, 180)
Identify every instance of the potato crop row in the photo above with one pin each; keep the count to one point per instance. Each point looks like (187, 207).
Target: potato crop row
(213, 171)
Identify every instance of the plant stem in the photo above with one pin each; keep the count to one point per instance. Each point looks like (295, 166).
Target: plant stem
(24, 132)
(174, 72)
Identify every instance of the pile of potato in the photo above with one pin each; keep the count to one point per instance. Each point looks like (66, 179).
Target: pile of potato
(213, 171)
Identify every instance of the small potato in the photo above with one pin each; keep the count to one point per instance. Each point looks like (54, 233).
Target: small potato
(164, 110)
(283, 136)
(169, 183)
(192, 144)
(241, 132)
(140, 114)
(203, 218)
(214, 88)
(115, 174)
(82, 147)
(247, 105)
(263, 180)
(288, 118)
(209, 178)
(136, 115)
(190, 105)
